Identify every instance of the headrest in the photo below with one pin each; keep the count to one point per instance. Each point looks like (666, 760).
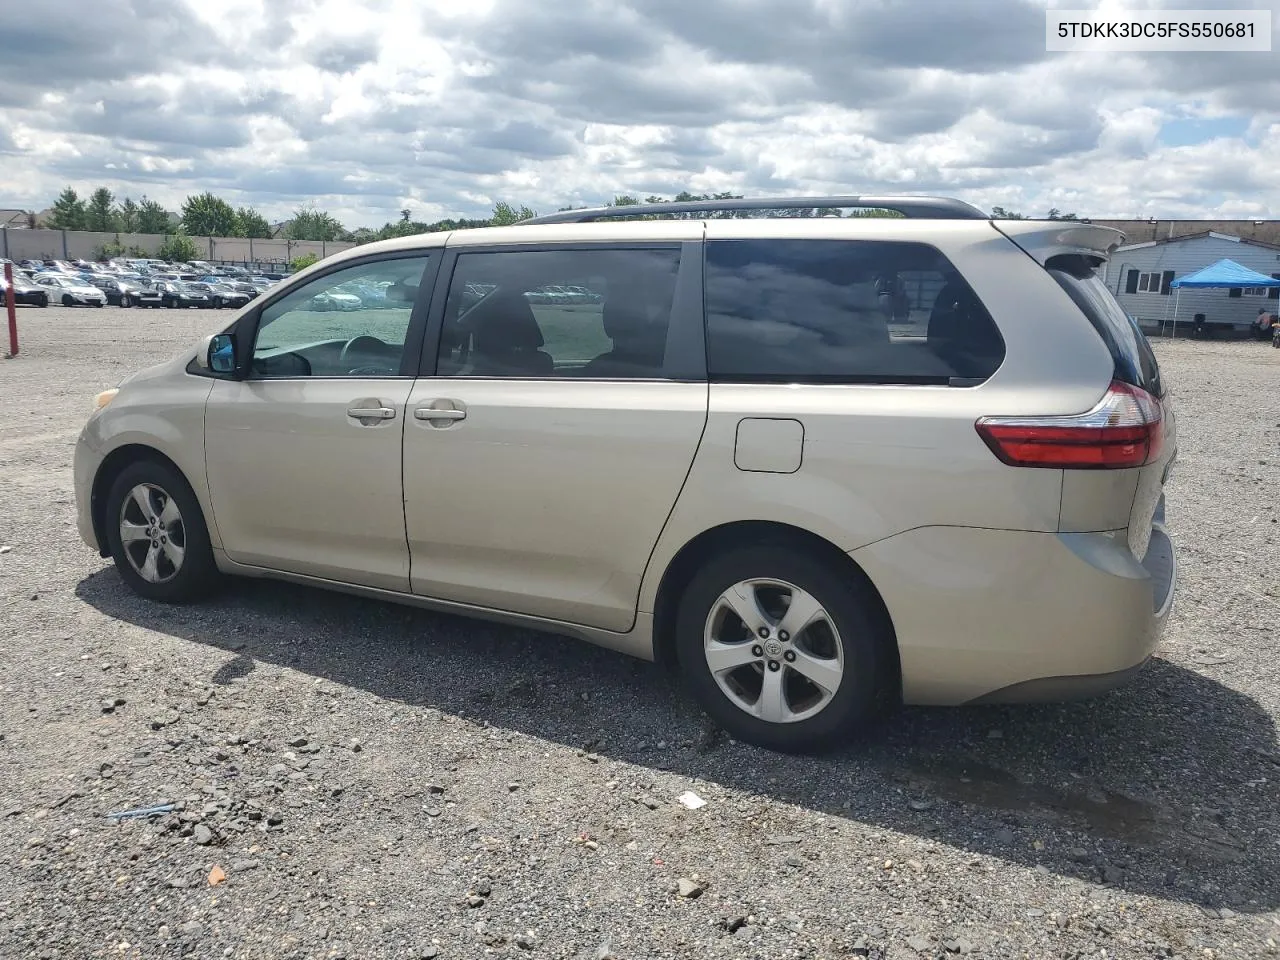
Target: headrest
(624, 319)
(505, 321)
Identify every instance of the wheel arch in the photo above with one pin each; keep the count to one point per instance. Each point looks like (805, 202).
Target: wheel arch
(111, 467)
(744, 533)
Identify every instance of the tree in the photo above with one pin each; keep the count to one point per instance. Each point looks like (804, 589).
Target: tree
(68, 211)
(204, 215)
(250, 223)
(405, 214)
(99, 214)
(504, 215)
(178, 248)
(1056, 214)
(127, 216)
(1000, 213)
(152, 218)
(302, 261)
(308, 223)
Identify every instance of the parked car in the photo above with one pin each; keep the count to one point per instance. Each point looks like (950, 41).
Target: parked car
(336, 300)
(25, 291)
(220, 294)
(175, 293)
(150, 294)
(248, 289)
(70, 290)
(735, 467)
(120, 292)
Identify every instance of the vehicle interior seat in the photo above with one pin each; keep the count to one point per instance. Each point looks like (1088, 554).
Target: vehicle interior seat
(639, 341)
(506, 338)
(960, 333)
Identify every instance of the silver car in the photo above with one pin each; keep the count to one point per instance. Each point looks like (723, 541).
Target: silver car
(819, 465)
(68, 290)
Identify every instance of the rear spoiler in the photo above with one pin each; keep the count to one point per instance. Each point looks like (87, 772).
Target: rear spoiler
(1043, 239)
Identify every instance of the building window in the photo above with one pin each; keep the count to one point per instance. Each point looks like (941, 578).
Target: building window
(1255, 291)
(1149, 283)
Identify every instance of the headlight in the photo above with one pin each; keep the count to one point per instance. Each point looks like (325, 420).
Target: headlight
(105, 397)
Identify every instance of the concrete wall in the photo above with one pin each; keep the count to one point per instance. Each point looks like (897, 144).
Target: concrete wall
(1183, 258)
(1140, 231)
(84, 245)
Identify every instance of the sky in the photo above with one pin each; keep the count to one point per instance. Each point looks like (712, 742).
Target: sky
(365, 107)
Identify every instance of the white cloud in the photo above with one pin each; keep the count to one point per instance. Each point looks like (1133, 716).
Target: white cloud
(364, 106)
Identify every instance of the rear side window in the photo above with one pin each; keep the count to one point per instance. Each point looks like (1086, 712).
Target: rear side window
(1135, 360)
(844, 311)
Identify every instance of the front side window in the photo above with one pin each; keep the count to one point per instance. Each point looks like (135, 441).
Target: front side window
(559, 313)
(844, 311)
(349, 323)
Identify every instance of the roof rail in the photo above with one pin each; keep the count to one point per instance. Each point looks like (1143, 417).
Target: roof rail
(918, 208)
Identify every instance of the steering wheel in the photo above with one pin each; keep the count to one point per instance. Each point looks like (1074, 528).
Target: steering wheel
(365, 344)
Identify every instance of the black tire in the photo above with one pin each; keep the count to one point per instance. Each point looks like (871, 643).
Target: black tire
(862, 635)
(43, 301)
(98, 303)
(197, 574)
(170, 304)
(68, 300)
(125, 301)
(217, 303)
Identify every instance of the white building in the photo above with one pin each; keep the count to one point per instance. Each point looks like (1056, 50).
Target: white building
(1139, 275)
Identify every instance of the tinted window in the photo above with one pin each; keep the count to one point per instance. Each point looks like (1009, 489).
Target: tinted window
(1135, 361)
(851, 311)
(349, 323)
(559, 313)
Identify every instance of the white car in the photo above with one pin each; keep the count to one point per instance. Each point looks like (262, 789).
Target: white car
(69, 290)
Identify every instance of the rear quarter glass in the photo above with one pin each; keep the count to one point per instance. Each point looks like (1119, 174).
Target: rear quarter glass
(844, 311)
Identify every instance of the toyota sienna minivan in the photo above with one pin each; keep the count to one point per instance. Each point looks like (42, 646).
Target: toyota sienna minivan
(817, 464)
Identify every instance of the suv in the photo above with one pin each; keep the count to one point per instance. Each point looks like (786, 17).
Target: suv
(817, 464)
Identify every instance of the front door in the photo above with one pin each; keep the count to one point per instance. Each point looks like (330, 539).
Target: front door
(543, 458)
(304, 454)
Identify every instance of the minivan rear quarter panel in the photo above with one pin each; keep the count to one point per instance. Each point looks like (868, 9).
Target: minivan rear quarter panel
(879, 460)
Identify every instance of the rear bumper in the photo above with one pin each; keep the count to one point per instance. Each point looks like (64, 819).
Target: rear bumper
(1003, 616)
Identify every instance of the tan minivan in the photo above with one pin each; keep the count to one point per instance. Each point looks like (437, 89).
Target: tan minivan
(817, 463)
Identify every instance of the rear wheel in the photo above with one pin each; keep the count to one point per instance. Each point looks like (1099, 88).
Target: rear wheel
(157, 534)
(217, 303)
(68, 300)
(43, 300)
(125, 301)
(782, 650)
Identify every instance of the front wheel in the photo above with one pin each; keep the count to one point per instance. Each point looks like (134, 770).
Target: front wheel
(782, 649)
(43, 301)
(68, 300)
(157, 534)
(125, 301)
(217, 303)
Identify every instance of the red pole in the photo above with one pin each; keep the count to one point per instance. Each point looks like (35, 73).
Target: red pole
(12, 308)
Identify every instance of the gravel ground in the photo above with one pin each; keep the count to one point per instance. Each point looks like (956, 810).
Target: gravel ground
(362, 780)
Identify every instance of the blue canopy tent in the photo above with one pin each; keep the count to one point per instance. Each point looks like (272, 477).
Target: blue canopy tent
(1224, 273)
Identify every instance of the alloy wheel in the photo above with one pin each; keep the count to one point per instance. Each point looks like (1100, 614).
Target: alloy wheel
(773, 650)
(152, 533)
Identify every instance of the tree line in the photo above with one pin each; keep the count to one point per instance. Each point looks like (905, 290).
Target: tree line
(207, 215)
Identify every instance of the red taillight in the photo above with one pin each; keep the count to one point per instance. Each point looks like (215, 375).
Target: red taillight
(1123, 430)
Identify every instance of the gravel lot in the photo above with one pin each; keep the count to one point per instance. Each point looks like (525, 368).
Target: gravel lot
(363, 780)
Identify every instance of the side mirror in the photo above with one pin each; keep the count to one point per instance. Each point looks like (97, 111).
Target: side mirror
(218, 353)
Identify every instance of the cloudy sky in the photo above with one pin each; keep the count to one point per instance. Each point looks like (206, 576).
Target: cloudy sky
(445, 106)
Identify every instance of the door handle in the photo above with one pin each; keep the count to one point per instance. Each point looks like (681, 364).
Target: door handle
(371, 413)
(433, 413)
